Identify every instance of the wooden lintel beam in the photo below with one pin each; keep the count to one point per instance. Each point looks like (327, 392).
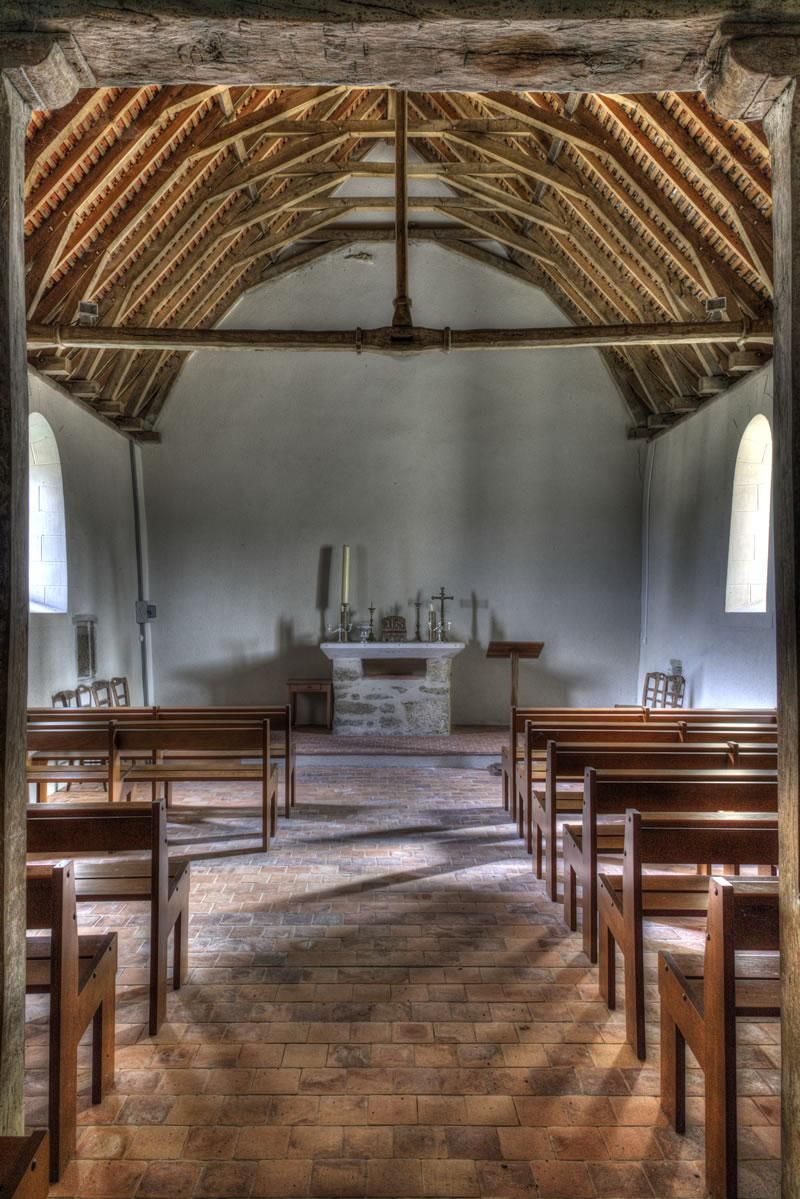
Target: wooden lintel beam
(740, 333)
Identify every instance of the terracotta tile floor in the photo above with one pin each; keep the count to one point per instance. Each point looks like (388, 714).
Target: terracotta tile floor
(387, 1005)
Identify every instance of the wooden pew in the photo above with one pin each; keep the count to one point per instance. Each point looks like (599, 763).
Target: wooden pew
(626, 900)
(511, 752)
(282, 745)
(79, 974)
(24, 1166)
(160, 752)
(56, 829)
(701, 998)
(612, 793)
(537, 734)
(565, 766)
(530, 771)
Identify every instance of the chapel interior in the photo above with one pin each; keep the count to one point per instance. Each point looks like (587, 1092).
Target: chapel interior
(397, 793)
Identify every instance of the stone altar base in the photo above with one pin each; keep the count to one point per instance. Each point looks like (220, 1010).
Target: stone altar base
(391, 688)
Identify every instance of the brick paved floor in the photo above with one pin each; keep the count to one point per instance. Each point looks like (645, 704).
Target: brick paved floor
(387, 1005)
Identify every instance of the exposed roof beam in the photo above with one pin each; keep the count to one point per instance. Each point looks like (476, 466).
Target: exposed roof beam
(740, 333)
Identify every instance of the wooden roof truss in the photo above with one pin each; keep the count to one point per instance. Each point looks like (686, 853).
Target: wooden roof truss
(162, 205)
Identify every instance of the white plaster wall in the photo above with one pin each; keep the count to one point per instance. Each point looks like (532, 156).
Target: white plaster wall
(100, 552)
(506, 477)
(728, 658)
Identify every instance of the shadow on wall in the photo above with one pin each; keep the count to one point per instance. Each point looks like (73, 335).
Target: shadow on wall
(537, 685)
(241, 676)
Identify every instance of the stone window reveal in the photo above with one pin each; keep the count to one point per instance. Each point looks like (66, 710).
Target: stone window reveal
(748, 549)
(47, 569)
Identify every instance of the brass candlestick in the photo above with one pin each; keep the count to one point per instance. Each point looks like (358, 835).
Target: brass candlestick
(418, 606)
(344, 622)
(371, 636)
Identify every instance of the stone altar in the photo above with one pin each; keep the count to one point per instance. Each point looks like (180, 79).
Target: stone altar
(391, 688)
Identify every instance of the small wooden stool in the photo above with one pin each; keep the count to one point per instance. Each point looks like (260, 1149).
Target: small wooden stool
(311, 687)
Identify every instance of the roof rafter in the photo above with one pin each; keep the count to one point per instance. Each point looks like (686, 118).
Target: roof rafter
(164, 204)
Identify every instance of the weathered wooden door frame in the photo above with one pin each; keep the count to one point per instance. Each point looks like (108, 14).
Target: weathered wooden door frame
(752, 76)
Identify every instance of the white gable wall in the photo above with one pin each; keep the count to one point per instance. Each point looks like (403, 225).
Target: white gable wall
(507, 477)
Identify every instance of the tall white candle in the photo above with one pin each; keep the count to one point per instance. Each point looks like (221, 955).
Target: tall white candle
(345, 574)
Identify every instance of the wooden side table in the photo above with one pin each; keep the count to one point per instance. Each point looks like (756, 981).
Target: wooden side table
(312, 687)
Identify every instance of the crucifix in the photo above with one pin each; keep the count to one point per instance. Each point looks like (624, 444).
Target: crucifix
(440, 599)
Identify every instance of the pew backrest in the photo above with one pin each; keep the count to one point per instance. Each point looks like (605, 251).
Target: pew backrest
(571, 761)
(748, 838)
(103, 829)
(612, 793)
(710, 715)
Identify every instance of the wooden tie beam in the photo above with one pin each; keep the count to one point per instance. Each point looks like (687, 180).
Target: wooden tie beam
(739, 333)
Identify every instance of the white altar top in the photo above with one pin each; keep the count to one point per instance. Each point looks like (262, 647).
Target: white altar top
(392, 649)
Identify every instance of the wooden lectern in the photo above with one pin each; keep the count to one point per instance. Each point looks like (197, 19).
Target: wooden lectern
(514, 650)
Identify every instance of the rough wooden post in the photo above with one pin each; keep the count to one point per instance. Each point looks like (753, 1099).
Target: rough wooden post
(757, 78)
(783, 129)
(32, 71)
(13, 607)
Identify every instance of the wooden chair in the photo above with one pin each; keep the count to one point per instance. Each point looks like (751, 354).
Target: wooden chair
(64, 699)
(164, 885)
(626, 900)
(662, 690)
(83, 696)
(120, 692)
(78, 973)
(101, 694)
(701, 999)
(25, 1166)
(612, 793)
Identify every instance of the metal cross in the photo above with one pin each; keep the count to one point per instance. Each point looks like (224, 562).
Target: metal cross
(440, 599)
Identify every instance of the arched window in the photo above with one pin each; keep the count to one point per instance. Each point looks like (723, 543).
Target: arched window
(748, 549)
(47, 570)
